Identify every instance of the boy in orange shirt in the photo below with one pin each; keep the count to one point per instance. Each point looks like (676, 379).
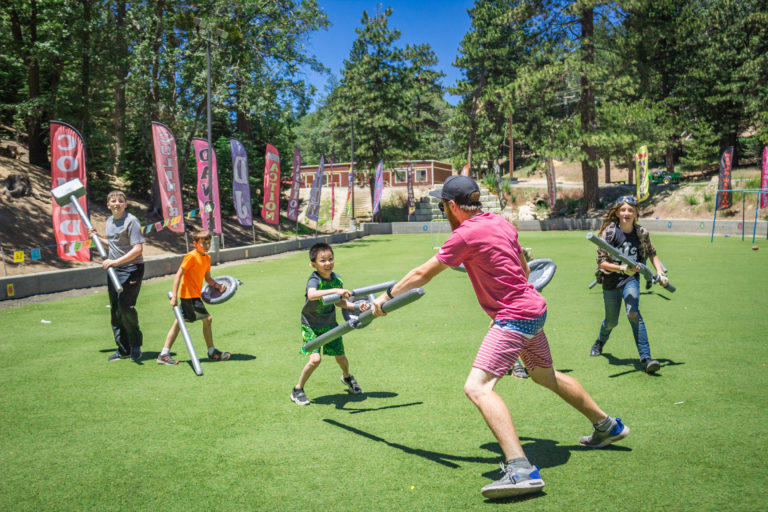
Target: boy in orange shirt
(187, 285)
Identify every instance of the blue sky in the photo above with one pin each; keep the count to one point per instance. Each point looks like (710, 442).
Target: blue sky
(441, 24)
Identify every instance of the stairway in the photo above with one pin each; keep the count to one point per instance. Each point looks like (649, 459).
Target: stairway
(427, 209)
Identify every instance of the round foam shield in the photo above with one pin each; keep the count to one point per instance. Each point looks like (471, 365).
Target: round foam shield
(214, 296)
(542, 271)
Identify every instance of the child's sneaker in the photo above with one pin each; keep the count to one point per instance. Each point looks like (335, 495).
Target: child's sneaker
(599, 439)
(351, 384)
(518, 370)
(219, 356)
(117, 356)
(515, 481)
(166, 359)
(650, 365)
(298, 396)
(135, 354)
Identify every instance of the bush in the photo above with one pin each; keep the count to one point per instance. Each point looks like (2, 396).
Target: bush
(692, 200)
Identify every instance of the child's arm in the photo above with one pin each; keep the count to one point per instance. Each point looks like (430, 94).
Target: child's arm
(213, 284)
(315, 294)
(131, 255)
(343, 303)
(176, 283)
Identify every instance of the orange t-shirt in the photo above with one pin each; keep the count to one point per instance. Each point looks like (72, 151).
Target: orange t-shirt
(195, 266)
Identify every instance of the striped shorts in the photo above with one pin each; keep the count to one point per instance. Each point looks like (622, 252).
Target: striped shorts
(507, 340)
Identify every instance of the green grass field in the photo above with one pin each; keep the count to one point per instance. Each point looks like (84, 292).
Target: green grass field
(79, 433)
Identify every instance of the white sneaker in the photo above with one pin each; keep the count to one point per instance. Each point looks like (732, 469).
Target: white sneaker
(351, 384)
(516, 481)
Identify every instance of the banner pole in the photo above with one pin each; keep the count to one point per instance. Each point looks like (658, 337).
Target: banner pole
(253, 233)
(186, 241)
(757, 207)
(714, 219)
(2, 255)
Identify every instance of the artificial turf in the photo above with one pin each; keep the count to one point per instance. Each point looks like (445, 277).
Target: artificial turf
(79, 433)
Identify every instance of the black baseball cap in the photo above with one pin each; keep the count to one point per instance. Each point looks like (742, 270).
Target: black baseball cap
(460, 189)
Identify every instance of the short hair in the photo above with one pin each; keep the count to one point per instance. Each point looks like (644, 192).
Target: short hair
(201, 234)
(116, 193)
(318, 247)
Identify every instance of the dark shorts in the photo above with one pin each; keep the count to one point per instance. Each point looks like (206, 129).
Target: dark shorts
(332, 348)
(193, 309)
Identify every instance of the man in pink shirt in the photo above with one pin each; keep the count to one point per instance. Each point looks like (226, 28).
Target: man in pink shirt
(487, 245)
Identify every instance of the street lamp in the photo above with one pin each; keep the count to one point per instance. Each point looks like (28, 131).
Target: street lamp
(197, 21)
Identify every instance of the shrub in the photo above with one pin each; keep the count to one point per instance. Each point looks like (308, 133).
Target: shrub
(692, 200)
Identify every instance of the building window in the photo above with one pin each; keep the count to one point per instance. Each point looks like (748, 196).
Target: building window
(420, 175)
(401, 176)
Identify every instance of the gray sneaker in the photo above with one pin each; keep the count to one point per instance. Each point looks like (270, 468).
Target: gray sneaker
(516, 481)
(117, 356)
(519, 371)
(298, 396)
(596, 350)
(650, 365)
(600, 439)
(351, 384)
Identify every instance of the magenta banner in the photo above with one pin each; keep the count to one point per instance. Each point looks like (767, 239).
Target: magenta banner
(724, 184)
(379, 187)
(764, 179)
(67, 164)
(207, 187)
(241, 189)
(293, 202)
(270, 212)
(167, 167)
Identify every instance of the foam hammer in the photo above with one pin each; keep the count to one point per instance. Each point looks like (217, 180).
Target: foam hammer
(365, 318)
(67, 193)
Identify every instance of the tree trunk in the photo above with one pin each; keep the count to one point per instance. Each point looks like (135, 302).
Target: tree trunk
(85, 67)
(511, 148)
(472, 127)
(587, 107)
(669, 158)
(607, 163)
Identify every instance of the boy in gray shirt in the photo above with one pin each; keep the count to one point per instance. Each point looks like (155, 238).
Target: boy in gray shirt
(126, 243)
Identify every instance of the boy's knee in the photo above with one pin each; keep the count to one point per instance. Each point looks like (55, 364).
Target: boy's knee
(632, 315)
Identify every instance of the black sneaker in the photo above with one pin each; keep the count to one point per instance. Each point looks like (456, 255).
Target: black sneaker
(117, 356)
(298, 396)
(135, 354)
(596, 349)
(351, 384)
(219, 356)
(650, 365)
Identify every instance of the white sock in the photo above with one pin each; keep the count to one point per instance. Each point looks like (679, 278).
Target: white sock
(165, 351)
(211, 351)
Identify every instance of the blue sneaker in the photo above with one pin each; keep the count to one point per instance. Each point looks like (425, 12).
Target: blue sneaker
(135, 353)
(600, 439)
(516, 481)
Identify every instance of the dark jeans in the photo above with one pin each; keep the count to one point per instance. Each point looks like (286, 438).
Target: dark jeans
(630, 293)
(125, 319)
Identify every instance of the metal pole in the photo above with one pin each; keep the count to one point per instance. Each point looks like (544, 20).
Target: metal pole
(757, 207)
(2, 256)
(714, 219)
(743, 202)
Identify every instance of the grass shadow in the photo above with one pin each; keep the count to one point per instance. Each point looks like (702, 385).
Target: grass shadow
(635, 364)
(444, 459)
(341, 400)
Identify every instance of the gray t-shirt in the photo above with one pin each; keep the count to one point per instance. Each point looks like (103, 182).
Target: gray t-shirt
(315, 314)
(122, 235)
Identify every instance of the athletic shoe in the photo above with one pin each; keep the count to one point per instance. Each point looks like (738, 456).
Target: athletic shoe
(596, 349)
(135, 353)
(166, 359)
(516, 481)
(650, 365)
(599, 439)
(219, 356)
(117, 356)
(519, 371)
(351, 384)
(298, 396)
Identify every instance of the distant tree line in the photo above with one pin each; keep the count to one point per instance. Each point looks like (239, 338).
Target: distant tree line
(586, 80)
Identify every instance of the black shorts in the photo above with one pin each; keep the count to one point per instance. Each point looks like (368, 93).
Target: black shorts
(193, 309)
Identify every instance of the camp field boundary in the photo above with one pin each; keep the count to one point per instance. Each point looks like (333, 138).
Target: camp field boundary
(88, 277)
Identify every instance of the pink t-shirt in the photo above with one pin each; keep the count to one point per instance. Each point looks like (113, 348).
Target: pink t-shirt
(487, 245)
